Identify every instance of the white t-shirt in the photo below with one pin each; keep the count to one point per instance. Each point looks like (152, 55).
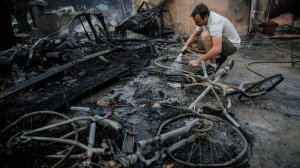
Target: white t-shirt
(219, 26)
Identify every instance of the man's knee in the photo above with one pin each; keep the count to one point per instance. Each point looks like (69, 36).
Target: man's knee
(194, 46)
(205, 36)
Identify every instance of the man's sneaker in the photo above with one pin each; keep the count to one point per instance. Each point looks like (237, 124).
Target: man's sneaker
(210, 69)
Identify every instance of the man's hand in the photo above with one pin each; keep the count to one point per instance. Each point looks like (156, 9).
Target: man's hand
(194, 63)
(184, 49)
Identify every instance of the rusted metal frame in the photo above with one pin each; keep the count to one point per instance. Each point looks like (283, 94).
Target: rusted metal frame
(86, 33)
(49, 73)
(98, 40)
(158, 12)
(141, 6)
(147, 4)
(100, 17)
(88, 18)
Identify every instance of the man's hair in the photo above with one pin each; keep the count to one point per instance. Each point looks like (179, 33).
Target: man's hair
(202, 10)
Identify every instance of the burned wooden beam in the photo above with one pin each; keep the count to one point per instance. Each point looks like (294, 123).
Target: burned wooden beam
(59, 97)
(64, 96)
(49, 73)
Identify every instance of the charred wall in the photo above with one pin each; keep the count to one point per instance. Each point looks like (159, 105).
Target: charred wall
(237, 11)
(268, 9)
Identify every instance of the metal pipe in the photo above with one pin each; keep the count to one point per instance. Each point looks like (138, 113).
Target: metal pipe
(170, 134)
(57, 124)
(65, 141)
(91, 142)
(201, 96)
(78, 156)
(181, 143)
(73, 132)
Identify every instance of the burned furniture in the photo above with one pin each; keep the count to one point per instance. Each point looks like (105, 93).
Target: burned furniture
(96, 24)
(57, 70)
(155, 22)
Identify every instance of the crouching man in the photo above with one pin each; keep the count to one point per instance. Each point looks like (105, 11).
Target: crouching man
(219, 38)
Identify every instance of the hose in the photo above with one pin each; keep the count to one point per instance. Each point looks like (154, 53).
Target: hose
(273, 62)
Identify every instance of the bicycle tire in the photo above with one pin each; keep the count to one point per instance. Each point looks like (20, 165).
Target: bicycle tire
(265, 85)
(208, 140)
(34, 152)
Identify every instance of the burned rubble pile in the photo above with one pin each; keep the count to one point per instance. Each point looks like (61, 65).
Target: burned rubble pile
(140, 107)
(139, 122)
(59, 65)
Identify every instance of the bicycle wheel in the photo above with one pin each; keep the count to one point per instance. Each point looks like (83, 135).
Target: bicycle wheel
(31, 153)
(214, 144)
(265, 85)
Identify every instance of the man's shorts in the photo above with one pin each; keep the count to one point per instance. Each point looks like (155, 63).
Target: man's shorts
(227, 47)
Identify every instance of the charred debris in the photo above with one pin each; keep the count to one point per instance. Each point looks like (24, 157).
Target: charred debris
(48, 73)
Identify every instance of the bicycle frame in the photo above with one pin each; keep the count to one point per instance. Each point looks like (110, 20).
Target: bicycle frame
(26, 136)
(219, 74)
(90, 150)
(131, 159)
(211, 85)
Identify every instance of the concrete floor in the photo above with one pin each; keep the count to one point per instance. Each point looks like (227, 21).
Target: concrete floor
(272, 120)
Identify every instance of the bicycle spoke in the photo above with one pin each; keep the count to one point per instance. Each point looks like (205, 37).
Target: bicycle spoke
(265, 85)
(224, 153)
(200, 150)
(216, 142)
(212, 157)
(193, 151)
(34, 152)
(216, 152)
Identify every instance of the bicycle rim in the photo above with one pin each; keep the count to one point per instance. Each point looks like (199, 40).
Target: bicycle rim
(216, 142)
(35, 153)
(265, 85)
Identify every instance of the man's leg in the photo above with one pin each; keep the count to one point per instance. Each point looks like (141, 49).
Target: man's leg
(198, 47)
(207, 41)
(227, 49)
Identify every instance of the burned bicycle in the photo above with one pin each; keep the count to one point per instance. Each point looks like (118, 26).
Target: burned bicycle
(190, 139)
(246, 89)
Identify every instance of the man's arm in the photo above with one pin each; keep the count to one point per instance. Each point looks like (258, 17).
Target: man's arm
(214, 51)
(190, 41)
